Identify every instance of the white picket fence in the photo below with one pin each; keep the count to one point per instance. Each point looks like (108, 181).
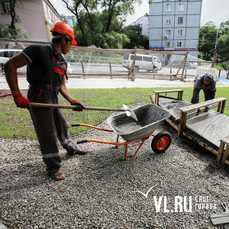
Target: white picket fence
(213, 71)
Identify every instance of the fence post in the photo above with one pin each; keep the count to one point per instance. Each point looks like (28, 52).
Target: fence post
(110, 71)
(219, 73)
(83, 69)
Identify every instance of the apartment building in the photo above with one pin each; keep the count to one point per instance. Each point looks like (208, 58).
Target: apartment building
(36, 17)
(143, 21)
(174, 25)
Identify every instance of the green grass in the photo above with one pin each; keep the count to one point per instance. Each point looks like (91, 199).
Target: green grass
(16, 122)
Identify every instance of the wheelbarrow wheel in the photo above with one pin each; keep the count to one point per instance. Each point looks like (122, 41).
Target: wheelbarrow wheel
(161, 142)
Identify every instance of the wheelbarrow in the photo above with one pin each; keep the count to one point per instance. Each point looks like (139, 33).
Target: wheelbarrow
(149, 116)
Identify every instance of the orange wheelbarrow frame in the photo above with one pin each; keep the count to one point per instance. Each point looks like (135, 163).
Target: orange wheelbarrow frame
(161, 145)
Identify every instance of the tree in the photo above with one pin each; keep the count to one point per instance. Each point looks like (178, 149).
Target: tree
(11, 31)
(223, 47)
(113, 40)
(64, 18)
(93, 24)
(223, 41)
(134, 33)
(207, 39)
(7, 32)
(224, 27)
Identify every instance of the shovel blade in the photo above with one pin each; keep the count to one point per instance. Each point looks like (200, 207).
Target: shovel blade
(220, 218)
(129, 112)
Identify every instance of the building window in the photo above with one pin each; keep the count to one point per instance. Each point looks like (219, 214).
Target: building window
(168, 21)
(5, 7)
(180, 20)
(167, 32)
(179, 44)
(180, 32)
(168, 7)
(180, 7)
(167, 44)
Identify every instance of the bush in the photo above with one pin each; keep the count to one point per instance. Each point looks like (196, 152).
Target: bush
(222, 66)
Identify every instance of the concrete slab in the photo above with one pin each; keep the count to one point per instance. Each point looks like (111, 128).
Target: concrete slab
(208, 127)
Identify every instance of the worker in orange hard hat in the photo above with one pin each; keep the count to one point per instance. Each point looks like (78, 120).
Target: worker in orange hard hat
(62, 28)
(46, 74)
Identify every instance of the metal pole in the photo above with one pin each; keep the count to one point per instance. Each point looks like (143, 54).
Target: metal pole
(110, 71)
(82, 68)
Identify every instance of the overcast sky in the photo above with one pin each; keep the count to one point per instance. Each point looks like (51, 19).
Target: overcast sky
(212, 10)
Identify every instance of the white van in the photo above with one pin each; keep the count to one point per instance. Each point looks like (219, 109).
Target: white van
(6, 54)
(142, 62)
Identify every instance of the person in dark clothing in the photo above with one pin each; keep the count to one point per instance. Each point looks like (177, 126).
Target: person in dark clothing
(46, 74)
(208, 84)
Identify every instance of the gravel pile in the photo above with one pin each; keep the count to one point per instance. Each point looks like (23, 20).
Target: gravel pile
(100, 189)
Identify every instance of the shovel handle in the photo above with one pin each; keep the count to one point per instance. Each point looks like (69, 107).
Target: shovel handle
(47, 105)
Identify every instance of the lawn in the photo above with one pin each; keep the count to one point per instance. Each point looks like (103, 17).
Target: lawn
(16, 122)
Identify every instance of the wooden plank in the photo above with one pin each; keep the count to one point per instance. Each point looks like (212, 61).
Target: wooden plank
(185, 58)
(199, 105)
(195, 113)
(225, 140)
(223, 106)
(182, 63)
(157, 94)
(214, 60)
(97, 49)
(180, 94)
(183, 118)
(220, 152)
(156, 98)
(212, 126)
(151, 99)
(194, 140)
(225, 155)
(167, 91)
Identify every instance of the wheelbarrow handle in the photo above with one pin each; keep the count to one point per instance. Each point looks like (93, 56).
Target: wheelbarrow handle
(82, 141)
(90, 126)
(47, 105)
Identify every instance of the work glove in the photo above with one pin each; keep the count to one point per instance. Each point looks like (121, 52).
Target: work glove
(21, 101)
(78, 106)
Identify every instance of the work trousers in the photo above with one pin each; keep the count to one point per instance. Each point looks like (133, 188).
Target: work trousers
(50, 125)
(208, 94)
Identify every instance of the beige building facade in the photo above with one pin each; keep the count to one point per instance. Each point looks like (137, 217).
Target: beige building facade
(36, 18)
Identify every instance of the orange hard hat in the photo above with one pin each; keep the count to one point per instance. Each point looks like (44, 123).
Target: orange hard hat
(63, 28)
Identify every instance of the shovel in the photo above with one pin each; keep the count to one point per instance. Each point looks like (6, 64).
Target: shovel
(128, 111)
(221, 217)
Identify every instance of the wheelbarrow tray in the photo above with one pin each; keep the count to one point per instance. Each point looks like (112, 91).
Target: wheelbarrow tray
(149, 116)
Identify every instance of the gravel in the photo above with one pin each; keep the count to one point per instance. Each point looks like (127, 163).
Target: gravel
(100, 189)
